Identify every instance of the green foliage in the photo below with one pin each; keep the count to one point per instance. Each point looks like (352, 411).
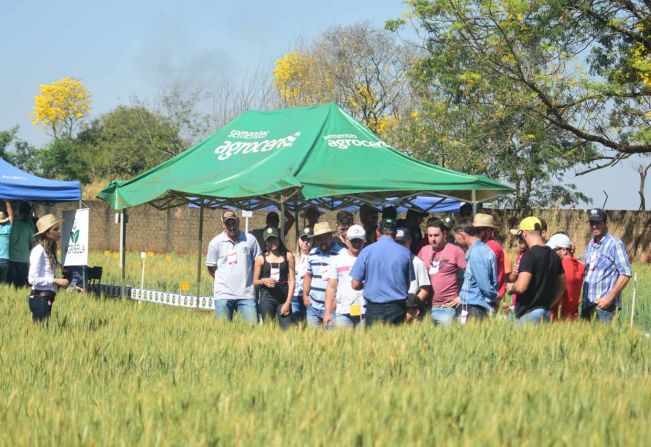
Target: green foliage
(64, 159)
(127, 141)
(17, 151)
(112, 372)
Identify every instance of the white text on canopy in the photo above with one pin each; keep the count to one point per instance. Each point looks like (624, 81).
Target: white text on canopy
(230, 148)
(346, 140)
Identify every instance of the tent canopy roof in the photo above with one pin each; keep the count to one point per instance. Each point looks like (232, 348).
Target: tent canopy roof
(312, 154)
(16, 184)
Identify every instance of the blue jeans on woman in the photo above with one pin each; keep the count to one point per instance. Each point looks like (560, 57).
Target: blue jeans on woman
(443, 315)
(246, 308)
(299, 311)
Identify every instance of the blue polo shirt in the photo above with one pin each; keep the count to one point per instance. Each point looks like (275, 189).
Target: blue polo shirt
(317, 265)
(386, 270)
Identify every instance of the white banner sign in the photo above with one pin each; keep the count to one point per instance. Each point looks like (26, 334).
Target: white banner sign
(74, 237)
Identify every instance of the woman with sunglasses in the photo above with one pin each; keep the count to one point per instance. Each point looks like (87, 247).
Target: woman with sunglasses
(43, 267)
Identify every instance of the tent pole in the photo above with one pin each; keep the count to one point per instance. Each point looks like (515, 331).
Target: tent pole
(199, 253)
(474, 203)
(282, 218)
(296, 230)
(123, 243)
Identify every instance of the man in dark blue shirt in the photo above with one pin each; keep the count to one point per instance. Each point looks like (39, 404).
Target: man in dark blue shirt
(384, 271)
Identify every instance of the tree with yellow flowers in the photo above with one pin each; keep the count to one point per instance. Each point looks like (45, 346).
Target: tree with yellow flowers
(361, 68)
(61, 106)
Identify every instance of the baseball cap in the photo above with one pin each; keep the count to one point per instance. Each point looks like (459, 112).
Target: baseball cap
(530, 223)
(228, 215)
(356, 232)
(389, 212)
(306, 233)
(271, 232)
(388, 224)
(597, 215)
(449, 222)
(559, 240)
(402, 234)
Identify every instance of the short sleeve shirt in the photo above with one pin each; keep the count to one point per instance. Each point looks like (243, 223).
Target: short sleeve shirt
(422, 277)
(443, 268)
(5, 231)
(234, 262)
(545, 266)
(604, 262)
(339, 269)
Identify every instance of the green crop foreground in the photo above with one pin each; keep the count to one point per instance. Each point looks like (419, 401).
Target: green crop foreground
(117, 372)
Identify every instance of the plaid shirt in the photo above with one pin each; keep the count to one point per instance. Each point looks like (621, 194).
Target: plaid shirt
(604, 262)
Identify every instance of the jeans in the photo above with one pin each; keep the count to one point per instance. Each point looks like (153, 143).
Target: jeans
(40, 306)
(534, 316)
(589, 311)
(392, 312)
(270, 309)
(4, 270)
(345, 320)
(246, 308)
(443, 315)
(314, 317)
(299, 311)
(474, 312)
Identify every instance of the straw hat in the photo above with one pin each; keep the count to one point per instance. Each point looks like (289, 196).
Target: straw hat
(482, 220)
(3, 219)
(45, 223)
(322, 228)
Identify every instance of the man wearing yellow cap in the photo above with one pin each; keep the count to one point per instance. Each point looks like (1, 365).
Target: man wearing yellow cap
(541, 281)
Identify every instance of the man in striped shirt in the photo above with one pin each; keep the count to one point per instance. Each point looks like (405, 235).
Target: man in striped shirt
(315, 281)
(607, 270)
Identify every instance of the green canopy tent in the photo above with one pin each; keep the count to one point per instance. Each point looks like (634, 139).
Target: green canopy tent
(290, 157)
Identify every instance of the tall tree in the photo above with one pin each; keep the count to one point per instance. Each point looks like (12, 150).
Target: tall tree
(361, 68)
(61, 106)
(585, 65)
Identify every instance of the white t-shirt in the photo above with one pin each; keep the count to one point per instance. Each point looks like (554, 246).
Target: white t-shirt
(339, 269)
(422, 276)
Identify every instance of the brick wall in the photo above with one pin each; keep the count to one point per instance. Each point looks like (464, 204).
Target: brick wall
(176, 230)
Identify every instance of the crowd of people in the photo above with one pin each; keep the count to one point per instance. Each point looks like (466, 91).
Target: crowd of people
(387, 271)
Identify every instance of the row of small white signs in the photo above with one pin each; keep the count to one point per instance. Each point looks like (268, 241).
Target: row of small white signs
(172, 299)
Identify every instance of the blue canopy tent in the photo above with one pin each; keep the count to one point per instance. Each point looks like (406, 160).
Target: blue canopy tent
(16, 184)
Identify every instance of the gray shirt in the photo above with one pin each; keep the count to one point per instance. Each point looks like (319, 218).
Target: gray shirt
(234, 265)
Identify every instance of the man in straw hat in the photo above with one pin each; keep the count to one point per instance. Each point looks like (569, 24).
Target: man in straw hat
(315, 282)
(541, 280)
(384, 271)
(485, 226)
(230, 260)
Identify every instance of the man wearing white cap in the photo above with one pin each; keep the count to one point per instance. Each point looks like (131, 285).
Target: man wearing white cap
(568, 307)
(346, 303)
(314, 283)
(230, 260)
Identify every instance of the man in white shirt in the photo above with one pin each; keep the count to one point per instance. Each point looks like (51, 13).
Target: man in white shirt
(421, 287)
(346, 303)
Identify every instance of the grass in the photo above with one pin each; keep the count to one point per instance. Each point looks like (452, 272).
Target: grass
(115, 372)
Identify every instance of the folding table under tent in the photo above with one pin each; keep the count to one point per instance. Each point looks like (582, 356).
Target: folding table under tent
(16, 184)
(290, 158)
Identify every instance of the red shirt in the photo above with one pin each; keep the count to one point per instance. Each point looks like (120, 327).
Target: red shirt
(569, 303)
(499, 254)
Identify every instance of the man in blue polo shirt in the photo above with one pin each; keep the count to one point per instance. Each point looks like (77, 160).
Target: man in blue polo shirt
(384, 271)
(607, 270)
(314, 281)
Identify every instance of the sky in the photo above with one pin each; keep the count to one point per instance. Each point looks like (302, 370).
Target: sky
(121, 49)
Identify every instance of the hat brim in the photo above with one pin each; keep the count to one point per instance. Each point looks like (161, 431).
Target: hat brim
(46, 229)
(515, 232)
(5, 220)
(356, 238)
(597, 220)
(321, 233)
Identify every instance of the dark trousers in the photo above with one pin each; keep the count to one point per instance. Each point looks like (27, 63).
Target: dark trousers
(40, 306)
(18, 272)
(271, 300)
(392, 312)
